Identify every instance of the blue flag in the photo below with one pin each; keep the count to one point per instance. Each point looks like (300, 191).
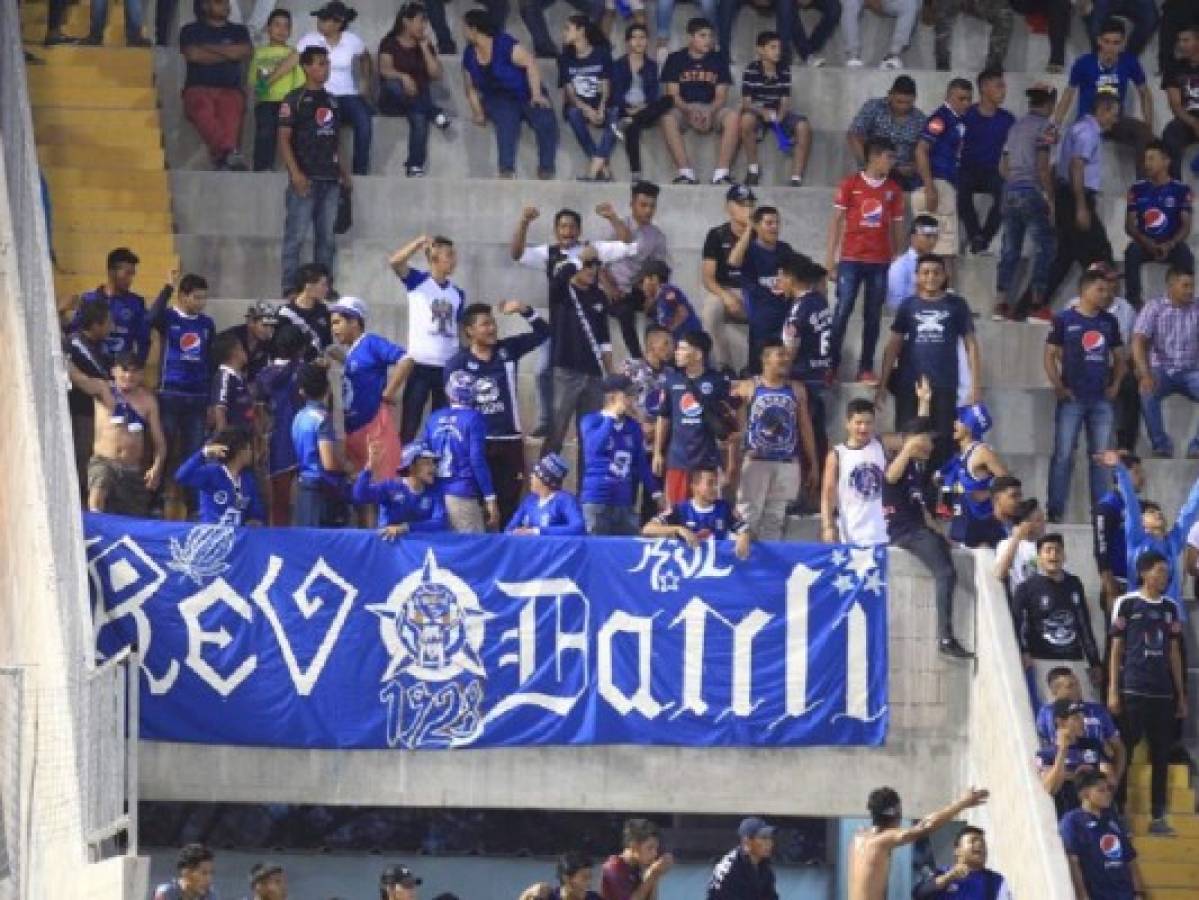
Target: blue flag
(337, 639)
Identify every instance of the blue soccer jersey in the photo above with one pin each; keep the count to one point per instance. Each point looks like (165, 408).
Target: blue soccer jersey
(399, 504)
(716, 521)
(364, 378)
(1158, 208)
(614, 460)
(557, 514)
(225, 498)
(459, 437)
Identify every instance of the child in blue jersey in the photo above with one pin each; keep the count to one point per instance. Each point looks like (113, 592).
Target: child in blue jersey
(230, 400)
(222, 473)
(458, 435)
(130, 333)
(666, 305)
(374, 371)
(615, 462)
(1103, 861)
(277, 392)
(968, 878)
(547, 509)
(413, 504)
(1145, 525)
(320, 459)
(704, 516)
(187, 336)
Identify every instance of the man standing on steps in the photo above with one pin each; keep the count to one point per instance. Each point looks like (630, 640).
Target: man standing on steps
(493, 363)
(214, 100)
(870, 853)
(309, 123)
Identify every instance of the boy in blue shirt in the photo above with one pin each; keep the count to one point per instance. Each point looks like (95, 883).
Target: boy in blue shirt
(1103, 863)
(277, 393)
(222, 473)
(705, 515)
(374, 371)
(457, 434)
(412, 504)
(614, 462)
(758, 253)
(666, 305)
(320, 459)
(230, 400)
(187, 335)
(547, 509)
(130, 333)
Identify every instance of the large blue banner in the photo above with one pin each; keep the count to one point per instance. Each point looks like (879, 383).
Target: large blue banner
(336, 639)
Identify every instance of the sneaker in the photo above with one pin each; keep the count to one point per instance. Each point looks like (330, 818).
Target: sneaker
(723, 180)
(816, 62)
(635, 177)
(1001, 312)
(441, 120)
(796, 181)
(1163, 452)
(235, 162)
(684, 179)
(752, 179)
(868, 378)
(1042, 315)
(54, 40)
(1054, 69)
(854, 62)
(1192, 452)
(980, 246)
(1161, 828)
(891, 63)
(949, 646)
(539, 432)
(414, 171)
(93, 40)
(139, 41)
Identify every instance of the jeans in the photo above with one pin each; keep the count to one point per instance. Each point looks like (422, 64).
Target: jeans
(318, 210)
(611, 520)
(1127, 409)
(1151, 718)
(1166, 383)
(357, 113)
(872, 277)
(643, 119)
(980, 181)
(1177, 137)
(726, 18)
(575, 395)
(624, 310)
(545, 386)
(1069, 419)
(933, 550)
(665, 10)
(1136, 256)
(418, 110)
(791, 29)
(310, 511)
(435, 10)
(582, 129)
(1024, 208)
(266, 132)
(133, 18)
(424, 382)
(506, 113)
(903, 11)
(1142, 14)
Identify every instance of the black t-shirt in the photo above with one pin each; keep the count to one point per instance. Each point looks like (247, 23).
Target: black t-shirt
(903, 501)
(1184, 75)
(222, 74)
(717, 245)
(931, 329)
(1149, 628)
(697, 78)
(313, 117)
(585, 74)
(92, 360)
(1052, 621)
(314, 323)
(258, 357)
(571, 347)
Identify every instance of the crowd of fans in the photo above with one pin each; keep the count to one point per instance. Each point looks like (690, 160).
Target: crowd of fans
(687, 438)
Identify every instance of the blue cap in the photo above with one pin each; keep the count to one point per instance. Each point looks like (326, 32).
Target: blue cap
(350, 306)
(413, 452)
(754, 827)
(551, 469)
(977, 418)
(460, 388)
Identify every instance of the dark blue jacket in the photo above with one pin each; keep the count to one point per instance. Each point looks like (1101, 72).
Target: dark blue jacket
(622, 80)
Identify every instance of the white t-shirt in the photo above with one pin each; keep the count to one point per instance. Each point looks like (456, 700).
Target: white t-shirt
(341, 60)
(1024, 563)
(860, 474)
(433, 313)
(538, 255)
(1193, 536)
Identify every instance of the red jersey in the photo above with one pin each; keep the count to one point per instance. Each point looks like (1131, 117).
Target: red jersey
(869, 211)
(618, 879)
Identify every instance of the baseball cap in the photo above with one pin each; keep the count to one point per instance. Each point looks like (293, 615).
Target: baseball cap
(1108, 271)
(1064, 708)
(335, 9)
(739, 193)
(264, 311)
(262, 871)
(753, 827)
(350, 306)
(977, 418)
(613, 383)
(398, 874)
(551, 469)
(1040, 88)
(414, 451)
(460, 387)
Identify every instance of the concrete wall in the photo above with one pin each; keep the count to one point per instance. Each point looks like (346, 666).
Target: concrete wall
(929, 699)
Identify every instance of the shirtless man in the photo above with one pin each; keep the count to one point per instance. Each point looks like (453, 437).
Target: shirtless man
(116, 479)
(870, 860)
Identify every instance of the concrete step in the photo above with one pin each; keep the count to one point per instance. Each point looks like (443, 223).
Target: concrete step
(1186, 824)
(89, 96)
(136, 62)
(1171, 874)
(1177, 851)
(1178, 801)
(71, 216)
(1140, 773)
(89, 265)
(90, 201)
(146, 244)
(102, 152)
(87, 73)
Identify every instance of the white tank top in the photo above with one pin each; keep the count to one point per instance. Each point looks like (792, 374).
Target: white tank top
(860, 474)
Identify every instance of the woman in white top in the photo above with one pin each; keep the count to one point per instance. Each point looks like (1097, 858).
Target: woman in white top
(349, 65)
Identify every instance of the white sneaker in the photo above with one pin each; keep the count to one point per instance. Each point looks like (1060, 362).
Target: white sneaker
(854, 63)
(815, 62)
(891, 63)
